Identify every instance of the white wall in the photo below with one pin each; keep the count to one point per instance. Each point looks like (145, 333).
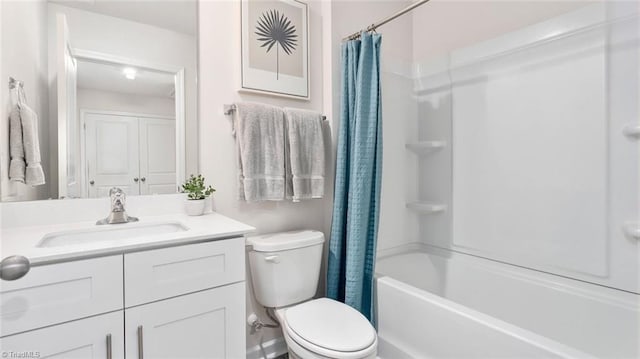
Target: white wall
(95, 32)
(90, 99)
(24, 57)
(219, 58)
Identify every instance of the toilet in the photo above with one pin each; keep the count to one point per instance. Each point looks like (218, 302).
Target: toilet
(285, 268)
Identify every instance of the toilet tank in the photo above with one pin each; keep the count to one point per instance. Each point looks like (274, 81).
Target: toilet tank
(285, 267)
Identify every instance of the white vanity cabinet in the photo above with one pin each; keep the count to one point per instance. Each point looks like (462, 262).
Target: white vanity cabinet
(185, 301)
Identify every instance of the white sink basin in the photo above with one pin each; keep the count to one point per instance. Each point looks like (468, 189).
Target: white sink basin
(114, 232)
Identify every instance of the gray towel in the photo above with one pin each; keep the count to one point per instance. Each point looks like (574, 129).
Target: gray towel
(16, 147)
(259, 131)
(34, 174)
(305, 154)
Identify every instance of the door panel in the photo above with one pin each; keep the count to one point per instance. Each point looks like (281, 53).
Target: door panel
(207, 324)
(112, 153)
(157, 156)
(82, 339)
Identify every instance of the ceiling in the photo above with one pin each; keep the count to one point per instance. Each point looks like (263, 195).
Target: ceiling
(176, 15)
(110, 77)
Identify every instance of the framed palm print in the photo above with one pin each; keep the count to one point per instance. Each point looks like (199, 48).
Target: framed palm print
(275, 47)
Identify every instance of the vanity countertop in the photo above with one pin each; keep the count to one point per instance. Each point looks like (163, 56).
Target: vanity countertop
(24, 240)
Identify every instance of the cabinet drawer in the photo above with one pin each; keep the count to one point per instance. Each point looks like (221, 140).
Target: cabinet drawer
(168, 272)
(56, 293)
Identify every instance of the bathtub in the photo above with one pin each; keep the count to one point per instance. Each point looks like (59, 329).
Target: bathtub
(434, 303)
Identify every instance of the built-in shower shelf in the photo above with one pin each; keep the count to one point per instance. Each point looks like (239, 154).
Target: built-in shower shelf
(426, 207)
(425, 147)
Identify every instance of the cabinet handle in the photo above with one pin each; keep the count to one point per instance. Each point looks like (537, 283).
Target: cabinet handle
(92, 182)
(140, 345)
(272, 259)
(135, 179)
(632, 131)
(632, 230)
(143, 179)
(109, 348)
(14, 267)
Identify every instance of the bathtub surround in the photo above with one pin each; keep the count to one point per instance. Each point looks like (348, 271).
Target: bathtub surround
(356, 204)
(504, 103)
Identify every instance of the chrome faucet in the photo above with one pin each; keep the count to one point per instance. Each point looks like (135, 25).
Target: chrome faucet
(118, 214)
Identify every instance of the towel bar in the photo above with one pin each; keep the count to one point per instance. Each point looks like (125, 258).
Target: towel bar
(229, 109)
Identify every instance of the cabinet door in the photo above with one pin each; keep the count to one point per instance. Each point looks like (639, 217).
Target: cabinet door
(112, 154)
(157, 156)
(82, 339)
(207, 324)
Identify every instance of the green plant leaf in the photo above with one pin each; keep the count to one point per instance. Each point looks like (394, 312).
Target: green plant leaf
(196, 189)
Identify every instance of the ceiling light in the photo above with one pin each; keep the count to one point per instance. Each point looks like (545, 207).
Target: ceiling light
(130, 73)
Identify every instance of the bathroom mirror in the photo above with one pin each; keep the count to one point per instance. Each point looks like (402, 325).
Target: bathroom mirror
(113, 85)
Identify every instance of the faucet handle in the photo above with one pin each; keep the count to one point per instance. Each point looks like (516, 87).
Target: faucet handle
(118, 198)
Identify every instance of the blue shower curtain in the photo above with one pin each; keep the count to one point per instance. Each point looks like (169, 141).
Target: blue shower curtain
(356, 205)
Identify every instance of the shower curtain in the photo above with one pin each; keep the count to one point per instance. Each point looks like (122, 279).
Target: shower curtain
(356, 205)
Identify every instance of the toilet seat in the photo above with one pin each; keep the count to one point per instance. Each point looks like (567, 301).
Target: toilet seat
(330, 329)
(328, 353)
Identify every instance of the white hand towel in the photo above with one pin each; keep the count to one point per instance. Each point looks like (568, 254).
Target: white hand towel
(29, 119)
(16, 147)
(259, 131)
(305, 149)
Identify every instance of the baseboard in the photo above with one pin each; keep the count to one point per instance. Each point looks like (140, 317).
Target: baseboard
(268, 350)
(387, 350)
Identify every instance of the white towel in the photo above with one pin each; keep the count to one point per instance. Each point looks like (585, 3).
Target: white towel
(259, 131)
(29, 119)
(17, 165)
(305, 154)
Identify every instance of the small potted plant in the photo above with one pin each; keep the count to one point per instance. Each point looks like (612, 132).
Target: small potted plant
(197, 192)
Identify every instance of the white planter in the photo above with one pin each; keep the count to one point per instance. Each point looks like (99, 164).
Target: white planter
(194, 207)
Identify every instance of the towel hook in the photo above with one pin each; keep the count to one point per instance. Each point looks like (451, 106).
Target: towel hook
(13, 83)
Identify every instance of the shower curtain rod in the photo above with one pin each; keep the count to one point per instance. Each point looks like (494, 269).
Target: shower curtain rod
(374, 26)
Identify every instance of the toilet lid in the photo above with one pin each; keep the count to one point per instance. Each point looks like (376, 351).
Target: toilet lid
(331, 325)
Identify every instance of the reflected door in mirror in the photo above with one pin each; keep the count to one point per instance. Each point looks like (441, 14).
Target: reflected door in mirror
(136, 154)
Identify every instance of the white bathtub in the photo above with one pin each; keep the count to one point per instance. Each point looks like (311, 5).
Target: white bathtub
(433, 303)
